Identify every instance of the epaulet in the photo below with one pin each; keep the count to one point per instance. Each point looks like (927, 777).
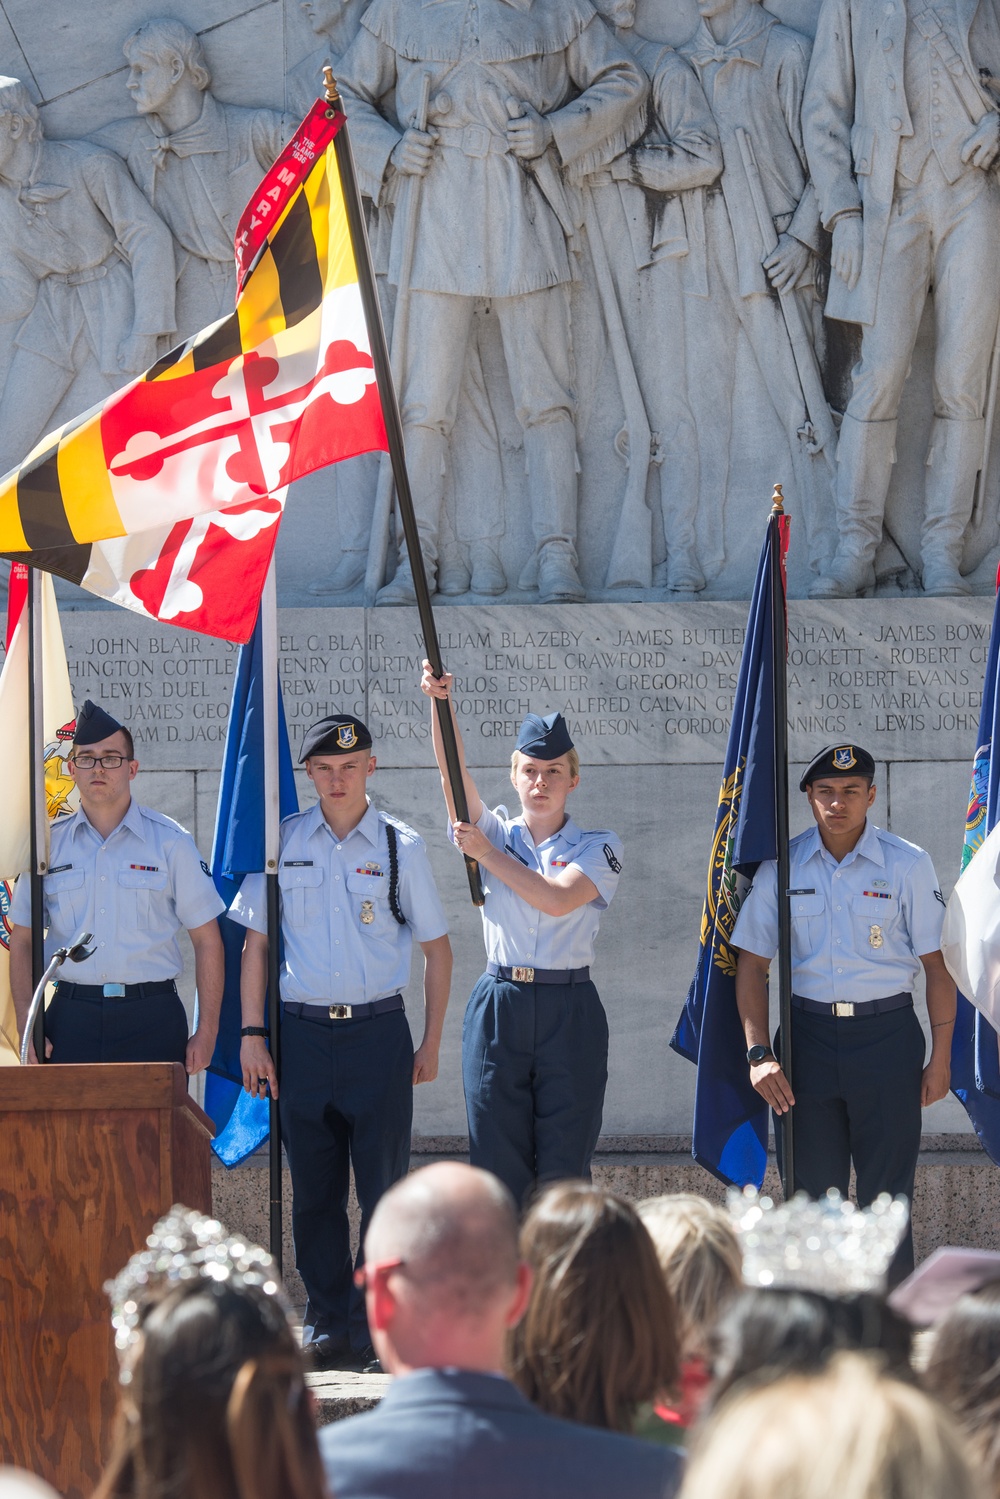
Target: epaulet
(400, 826)
(294, 816)
(894, 841)
(794, 842)
(602, 833)
(162, 819)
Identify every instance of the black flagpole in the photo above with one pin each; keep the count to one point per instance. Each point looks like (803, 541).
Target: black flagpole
(779, 661)
(397, 457)
(36, 794)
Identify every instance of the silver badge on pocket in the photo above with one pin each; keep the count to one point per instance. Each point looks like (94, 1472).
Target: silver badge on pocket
(874, 935)
(368, 913)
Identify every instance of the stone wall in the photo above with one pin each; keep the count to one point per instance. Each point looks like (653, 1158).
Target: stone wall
(647, 690)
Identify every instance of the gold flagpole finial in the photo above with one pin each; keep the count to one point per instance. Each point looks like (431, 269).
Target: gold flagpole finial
(777, 501)
(330, 88)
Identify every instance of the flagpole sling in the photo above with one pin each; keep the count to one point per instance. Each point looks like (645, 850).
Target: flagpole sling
(38, 842)
(779, 647)
(272, 835)
(394, 434)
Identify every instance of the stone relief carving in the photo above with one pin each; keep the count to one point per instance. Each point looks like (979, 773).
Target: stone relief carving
(487, 92)
(602, 262)
(902, 141)
(86, 275)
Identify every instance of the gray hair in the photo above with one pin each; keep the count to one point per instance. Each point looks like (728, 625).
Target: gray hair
(166, 37)
(15, 100)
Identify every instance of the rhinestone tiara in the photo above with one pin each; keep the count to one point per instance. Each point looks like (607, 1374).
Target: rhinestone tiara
(184, 1246)
(828, 1245)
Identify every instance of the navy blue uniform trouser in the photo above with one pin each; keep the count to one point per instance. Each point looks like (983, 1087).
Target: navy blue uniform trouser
(535, 1066)
(346, 1098)
(117, 1030)
(857, 1097)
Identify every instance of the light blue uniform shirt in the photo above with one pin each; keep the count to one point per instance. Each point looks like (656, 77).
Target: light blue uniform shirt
(859, 927)
(518, 935)
(133, 890)
(331, 955)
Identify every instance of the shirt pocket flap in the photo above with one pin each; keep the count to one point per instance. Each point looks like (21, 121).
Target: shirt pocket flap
(66, 879)
(143, 879)
(808, 905)
(368, 884)
(874, 908)
(299, 877)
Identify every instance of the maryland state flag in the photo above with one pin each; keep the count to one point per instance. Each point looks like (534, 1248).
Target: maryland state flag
(167, 497)
(59, 723)
(729, 1136)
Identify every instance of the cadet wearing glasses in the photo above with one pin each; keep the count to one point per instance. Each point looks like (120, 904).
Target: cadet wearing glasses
(133, 878)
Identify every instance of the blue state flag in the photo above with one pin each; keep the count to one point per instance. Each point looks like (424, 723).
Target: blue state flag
(238, 850)
(975, 1063)
(730, 1118)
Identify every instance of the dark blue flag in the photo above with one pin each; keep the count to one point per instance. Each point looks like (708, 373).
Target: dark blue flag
(975, 1064)
(238, 850)
(730, 1118)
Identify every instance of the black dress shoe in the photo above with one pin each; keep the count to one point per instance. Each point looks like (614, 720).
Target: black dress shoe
(368, 1361)
(329, 1353)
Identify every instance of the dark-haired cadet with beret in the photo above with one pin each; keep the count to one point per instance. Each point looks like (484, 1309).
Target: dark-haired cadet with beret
(356, 890)
(866, 917)
(535, 1038)
(133, 878)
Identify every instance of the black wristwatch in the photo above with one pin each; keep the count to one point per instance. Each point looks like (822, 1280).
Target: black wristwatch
(754, 1055)
(255, 1030)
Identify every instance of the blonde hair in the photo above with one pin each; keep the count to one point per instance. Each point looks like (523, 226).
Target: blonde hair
(847, 1433)
(700, 1257)
(572, 758)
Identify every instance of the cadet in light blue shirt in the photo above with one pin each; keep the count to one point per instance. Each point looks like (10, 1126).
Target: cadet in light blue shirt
(866, 916)
(356, 889)
(133, 878)
(535, 1039)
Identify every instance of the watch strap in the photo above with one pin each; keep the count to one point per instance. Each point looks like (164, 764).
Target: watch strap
(255, 1030)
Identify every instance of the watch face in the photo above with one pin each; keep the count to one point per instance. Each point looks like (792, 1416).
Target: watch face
(757, 1054)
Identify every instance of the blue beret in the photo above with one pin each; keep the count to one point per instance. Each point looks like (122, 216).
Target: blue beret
(337, 735)
(93, 725)
(839, 760)
(544, 738)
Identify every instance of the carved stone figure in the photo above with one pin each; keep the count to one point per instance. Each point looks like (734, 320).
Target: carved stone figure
(493, 99)
(196, 160)
(641, 206)
(762, 234)
(335, 23)
(86, 272)
(902, 139)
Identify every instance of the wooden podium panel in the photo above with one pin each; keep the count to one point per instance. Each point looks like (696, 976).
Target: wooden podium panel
(90, 1157)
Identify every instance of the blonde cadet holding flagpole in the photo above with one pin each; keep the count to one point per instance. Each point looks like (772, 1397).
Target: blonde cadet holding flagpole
(535, 1038)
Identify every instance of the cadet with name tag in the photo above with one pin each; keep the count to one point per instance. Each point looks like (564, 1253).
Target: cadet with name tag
(133, 878)
(535, 1038)
(356, 889)
(866, 917)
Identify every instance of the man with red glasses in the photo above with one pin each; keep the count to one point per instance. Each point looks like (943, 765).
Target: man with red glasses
(132, 878)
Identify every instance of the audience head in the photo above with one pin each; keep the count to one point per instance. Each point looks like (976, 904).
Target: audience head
(442, 1276)
(963, 1371)
(18, 1483)
(214, 1403)
(700, 1257)
(848, 1432)
(599, 1336)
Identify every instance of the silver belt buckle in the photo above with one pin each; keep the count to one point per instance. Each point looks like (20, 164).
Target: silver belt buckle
(341, 1012)
(523, 975)
(113, 991)
(844, 1011)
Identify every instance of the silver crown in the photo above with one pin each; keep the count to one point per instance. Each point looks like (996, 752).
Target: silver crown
(184, 1246)
(829, 1246)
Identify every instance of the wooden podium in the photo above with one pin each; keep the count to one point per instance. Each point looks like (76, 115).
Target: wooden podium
(90, 1157)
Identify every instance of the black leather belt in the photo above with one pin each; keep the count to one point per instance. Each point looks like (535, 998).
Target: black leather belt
(518, 975)
(855, 1011)
(344, 1012)
(155, 990)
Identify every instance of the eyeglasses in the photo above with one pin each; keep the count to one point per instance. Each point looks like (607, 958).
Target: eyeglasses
(107, 762)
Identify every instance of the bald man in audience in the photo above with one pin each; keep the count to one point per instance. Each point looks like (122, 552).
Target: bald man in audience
(444, 1285)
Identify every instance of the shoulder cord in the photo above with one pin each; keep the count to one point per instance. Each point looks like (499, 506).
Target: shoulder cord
(390, 833)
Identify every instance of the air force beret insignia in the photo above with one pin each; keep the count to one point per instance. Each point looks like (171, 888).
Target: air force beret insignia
(844, 758)
(347, 736)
